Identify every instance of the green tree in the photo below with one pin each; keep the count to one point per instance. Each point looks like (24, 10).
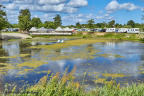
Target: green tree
(90, 23)
(24, 19)
(40, 25)
(8, 25)
(111, 23)
(117, 25)
(3, 21)
(78, 25)
(127, 26)
(15, 26)
(57, 20)
(131, 23)
(51, 25)
(35, 22)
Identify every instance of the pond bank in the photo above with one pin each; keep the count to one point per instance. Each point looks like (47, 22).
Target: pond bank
(7, 36)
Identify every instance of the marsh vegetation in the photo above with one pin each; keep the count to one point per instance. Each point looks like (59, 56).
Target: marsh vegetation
(103, 66)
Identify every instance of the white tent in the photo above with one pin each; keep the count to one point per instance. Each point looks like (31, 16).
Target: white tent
(33, 29)
(67, 29)
(42, 29)
(59, 29)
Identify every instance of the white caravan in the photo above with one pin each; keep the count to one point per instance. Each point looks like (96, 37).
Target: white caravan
(123, 30)
(133, 30)
(111, 30)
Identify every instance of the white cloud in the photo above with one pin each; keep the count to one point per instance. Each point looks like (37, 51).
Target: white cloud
(51, 1)
(11, 6)
(23, 1)
(73, 19)
(114, 6)
(105, 16)
(3, 1)
(77, 3)
(101, 11)
(61, 8)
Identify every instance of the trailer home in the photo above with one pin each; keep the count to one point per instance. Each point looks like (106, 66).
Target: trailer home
(111, 30)
(133, 30)
(123, 30)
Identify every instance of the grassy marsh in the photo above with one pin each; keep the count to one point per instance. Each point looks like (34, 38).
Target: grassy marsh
(55, 85)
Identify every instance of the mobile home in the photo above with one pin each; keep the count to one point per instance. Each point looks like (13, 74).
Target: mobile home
(123, 30)
(111, 30)
(133, 30)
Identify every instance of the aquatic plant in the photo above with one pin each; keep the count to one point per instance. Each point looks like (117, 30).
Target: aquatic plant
(55, 85)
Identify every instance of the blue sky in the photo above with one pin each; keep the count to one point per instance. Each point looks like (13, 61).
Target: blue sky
(73, 11)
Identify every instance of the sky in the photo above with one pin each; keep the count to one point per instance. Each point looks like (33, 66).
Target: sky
(73, 11)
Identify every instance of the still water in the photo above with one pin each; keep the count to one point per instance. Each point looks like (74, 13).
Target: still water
(122, 61)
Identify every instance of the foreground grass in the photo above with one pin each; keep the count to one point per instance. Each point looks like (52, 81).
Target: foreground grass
(66, 86)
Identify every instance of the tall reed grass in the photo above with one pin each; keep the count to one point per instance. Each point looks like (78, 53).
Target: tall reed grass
(66, 86)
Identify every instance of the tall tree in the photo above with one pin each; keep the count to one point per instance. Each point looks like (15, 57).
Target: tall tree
(15, 26)
(24, 19)
(2, 19)
(131, 23)
(57, 20)
(35, 22)
(111, 23)
(90, 23)
(51, 25)
(78, 25)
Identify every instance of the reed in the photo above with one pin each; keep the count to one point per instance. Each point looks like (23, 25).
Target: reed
(55, 85)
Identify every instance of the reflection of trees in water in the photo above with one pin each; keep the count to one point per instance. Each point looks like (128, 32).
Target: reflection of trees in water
(58, 51)
(2, 53)
(90, 47)
(2, 60)
(23, 50)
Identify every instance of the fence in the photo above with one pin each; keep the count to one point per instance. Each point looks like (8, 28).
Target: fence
(50, 33)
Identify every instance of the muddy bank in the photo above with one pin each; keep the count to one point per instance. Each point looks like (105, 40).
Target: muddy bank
(7, 36)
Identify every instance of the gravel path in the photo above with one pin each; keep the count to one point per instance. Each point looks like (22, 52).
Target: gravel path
(14, 36)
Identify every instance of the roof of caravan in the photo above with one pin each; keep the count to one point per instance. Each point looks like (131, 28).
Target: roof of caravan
(33, 29)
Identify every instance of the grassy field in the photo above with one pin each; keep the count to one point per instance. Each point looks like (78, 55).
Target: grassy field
(66, 86)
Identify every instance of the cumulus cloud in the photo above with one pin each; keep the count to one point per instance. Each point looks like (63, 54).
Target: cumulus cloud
(12, 6)
(73, 19)
(77, 3)
(3, 1)
(105, 16)
(101, 11)
(51, 1)
(114, 6)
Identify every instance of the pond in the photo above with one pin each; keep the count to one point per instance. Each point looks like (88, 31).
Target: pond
(25, 62)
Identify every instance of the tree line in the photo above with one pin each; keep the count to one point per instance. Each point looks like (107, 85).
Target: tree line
(25, 22)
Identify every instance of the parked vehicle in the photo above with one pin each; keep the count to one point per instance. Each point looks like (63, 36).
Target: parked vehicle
(103, 30)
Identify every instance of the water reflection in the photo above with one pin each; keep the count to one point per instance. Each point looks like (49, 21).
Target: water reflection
(96, 59)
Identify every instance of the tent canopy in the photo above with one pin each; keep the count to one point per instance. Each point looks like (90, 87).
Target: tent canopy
(33, 29)
(59, 29)
(67, 29)
(42, 29)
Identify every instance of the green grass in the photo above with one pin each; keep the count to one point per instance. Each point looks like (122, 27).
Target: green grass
(66, 86)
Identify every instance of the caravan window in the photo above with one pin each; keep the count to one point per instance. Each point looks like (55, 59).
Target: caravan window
(136, 29)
